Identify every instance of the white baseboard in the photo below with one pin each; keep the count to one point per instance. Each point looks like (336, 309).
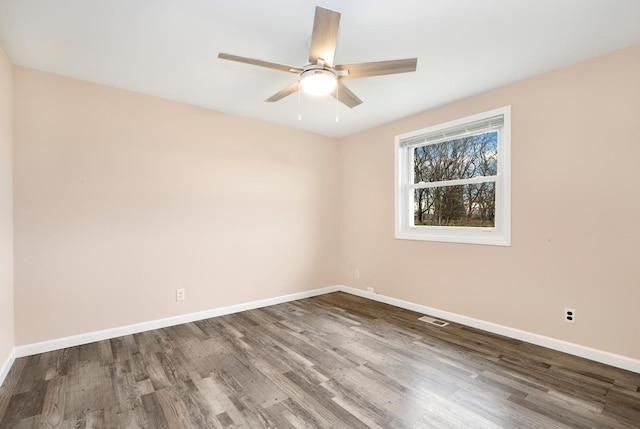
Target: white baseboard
(563, 346)
(4, 369)
(541, 340)
(90, 337)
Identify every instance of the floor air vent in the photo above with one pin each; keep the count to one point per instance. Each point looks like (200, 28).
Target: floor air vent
(433, 321)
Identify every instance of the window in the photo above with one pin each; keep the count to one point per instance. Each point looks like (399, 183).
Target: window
(453, 181)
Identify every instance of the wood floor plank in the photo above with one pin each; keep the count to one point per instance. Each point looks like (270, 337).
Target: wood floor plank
(332, 361)
(53, 408)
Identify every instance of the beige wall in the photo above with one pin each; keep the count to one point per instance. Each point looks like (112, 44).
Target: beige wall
(122, 198)
(575, 206)
(6, 209)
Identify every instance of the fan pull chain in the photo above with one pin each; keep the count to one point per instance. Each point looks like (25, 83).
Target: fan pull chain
(299, 105)
(337, 102)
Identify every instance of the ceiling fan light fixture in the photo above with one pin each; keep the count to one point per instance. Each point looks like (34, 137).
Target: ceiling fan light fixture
(318, 81)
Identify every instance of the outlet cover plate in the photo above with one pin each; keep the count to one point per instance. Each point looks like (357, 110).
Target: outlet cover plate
(570, 315)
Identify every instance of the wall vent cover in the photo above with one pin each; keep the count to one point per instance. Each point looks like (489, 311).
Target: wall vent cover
(433, 321)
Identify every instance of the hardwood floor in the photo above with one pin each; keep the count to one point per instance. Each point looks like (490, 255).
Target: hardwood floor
(331, 361)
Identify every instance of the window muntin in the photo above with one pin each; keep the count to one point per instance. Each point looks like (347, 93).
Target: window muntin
(452, 181)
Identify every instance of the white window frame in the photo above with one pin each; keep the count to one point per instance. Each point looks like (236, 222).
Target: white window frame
(500, 234)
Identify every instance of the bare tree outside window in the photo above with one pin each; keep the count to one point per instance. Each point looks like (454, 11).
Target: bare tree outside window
(450, 204)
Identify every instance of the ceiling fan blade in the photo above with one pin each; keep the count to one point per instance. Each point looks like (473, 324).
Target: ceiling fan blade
(325, 36)
(267, 64)
(379, 68)
(345, 96)
(287, 91)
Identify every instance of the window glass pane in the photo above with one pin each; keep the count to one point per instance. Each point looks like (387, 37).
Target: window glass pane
(462, 158)
(470, 205)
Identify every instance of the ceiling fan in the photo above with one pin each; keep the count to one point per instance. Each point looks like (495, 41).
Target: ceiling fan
(321, 76)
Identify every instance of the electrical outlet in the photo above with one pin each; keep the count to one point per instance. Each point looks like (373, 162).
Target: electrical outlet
(180, 294)
(371, 290)
(569, 315)
(356, 274)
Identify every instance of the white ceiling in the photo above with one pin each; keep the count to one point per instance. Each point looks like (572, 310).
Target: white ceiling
(168, 48)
